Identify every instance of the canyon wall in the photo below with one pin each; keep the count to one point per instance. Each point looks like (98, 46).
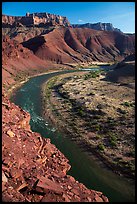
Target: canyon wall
(33, 169)
(80, 45)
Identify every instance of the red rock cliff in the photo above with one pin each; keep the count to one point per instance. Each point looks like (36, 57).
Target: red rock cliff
(35, 19)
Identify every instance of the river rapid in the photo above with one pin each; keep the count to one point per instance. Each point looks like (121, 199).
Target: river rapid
(84, 167)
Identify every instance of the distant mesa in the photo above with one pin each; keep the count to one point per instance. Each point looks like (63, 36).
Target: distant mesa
(47, 19)
(35, 19)
(97, 26)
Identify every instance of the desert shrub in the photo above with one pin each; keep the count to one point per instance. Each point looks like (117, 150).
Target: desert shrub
(121, 111)
(113, 137)
(111, 122)
(101, 147)
(100, 106)
(96, 127)
(97, 112)
(92, 74)
(126, 103)
(131, 153)
(113, 140)
(81, 112)
(113, 143)
(123, 122)
(94, 122)
(86, 77)
(98, 136)
(97, 116)
(91, 94)
(110, 118)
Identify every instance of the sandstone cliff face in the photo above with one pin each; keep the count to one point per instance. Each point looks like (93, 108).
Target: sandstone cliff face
(35, 19)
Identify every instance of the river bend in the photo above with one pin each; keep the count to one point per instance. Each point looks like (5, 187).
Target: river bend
(84, 168)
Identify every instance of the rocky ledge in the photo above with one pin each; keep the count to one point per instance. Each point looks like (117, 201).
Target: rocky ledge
(33, 169)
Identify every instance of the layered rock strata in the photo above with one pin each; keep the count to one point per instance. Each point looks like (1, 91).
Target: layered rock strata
(34, 19)
(79, 45)
(18, 63)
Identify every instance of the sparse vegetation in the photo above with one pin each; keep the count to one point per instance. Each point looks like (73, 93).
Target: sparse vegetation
(121, 111)
(103, 125)
(113, 143)
(81, 112)
(91, 94)
(128, 104)
(98, 136)
(92, 74)
(21, 76)
(96, 127)
(101, 147)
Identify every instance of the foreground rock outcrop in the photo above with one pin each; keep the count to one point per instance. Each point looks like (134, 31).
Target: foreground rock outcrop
(33, 169)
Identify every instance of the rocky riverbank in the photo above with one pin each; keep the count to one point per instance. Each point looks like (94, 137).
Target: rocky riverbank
(33, 169)
(97, 113)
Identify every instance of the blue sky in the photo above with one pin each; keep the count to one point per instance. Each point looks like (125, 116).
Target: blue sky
(120, 14)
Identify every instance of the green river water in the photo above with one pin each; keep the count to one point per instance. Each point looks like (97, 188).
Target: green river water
(84, 168)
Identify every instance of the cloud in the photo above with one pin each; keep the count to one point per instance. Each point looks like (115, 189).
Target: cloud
(80, 20)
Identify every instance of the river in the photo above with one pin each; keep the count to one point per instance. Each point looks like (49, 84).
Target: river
(84, 168)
